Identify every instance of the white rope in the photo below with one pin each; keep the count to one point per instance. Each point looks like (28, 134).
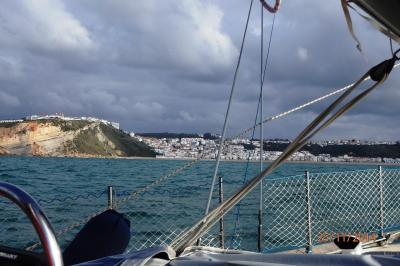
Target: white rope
(135, 194)
(301, 106)
(323, 120)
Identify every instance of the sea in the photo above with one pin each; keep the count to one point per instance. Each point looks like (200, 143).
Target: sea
(71, 190)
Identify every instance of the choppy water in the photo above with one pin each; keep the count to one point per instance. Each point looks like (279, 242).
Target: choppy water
(69, 189)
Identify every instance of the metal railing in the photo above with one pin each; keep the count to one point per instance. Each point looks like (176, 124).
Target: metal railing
(299, 211)
(303, 211)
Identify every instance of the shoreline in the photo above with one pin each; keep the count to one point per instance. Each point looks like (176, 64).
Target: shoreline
(205, 160)
(256, 161)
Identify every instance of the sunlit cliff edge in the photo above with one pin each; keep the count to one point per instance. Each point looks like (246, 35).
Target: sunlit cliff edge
(68, 138)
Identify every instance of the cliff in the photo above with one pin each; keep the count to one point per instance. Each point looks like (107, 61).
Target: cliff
(68, 138)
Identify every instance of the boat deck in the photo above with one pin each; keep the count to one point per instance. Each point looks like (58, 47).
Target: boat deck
(392, 246)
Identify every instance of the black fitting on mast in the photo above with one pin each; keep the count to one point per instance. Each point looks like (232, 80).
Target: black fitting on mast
(382, 70)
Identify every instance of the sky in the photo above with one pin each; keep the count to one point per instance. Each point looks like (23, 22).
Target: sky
(167, 66)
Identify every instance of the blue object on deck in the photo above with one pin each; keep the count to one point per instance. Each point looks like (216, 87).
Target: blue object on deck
(105, 235)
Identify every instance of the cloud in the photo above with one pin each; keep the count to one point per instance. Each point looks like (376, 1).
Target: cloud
(186, 116)
(9, 100)
(302, 53)
(183, 37)
(10, 67)
(43, 25)
(168, 65)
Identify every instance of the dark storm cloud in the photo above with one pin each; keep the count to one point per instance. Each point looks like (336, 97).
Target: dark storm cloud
(168, 65)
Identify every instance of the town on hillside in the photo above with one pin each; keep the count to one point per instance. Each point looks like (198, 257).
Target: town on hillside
(61, 117)
(246, 149)
(189, 146)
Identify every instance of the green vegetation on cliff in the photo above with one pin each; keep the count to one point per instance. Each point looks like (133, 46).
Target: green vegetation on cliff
(87, 142)
(58, 137)
(66, 125)
(8, 124)
(127, 144)
(105, 140)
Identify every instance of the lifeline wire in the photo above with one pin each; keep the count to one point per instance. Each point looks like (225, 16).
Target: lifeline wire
(136, 193)
(379, 73)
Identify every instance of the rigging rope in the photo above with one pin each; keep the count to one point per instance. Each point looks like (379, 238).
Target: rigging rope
(345, 7)
(297, 108)
(260, 207)
(236, 225)
(136, 193)
(379, 74)
(375, 24)
(221, 145)
(391, 45)
(274, 9)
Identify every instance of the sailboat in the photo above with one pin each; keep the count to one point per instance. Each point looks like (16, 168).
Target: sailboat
(92, 248)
